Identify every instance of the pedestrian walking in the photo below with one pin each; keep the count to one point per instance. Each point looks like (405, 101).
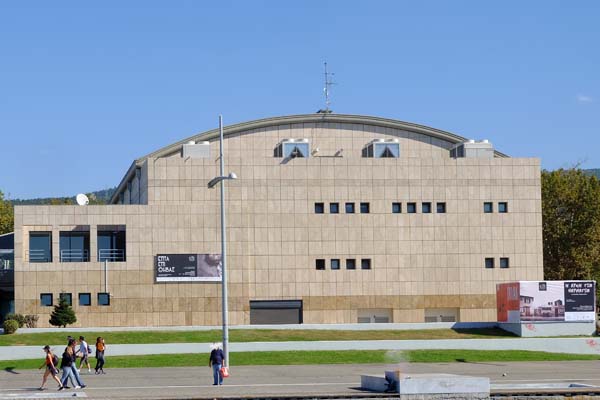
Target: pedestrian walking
(100, 349)
(217, 361)
(51, 369)
(85, 351)
(69, 366)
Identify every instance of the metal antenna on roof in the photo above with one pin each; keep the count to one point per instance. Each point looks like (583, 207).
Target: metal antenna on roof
(328, 84)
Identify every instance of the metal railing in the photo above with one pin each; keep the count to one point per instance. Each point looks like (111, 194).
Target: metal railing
(74, 255)
(39, 255)
(111, 254)
(7, 264)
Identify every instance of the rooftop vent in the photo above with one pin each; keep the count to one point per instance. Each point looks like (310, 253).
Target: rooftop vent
(195, 150)
(473, 149)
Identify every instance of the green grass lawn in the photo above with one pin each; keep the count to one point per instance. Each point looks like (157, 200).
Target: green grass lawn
(249, 335)
(320, 357)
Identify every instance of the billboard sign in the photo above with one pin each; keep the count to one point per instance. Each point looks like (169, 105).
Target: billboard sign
(580, 299)
(187, 268)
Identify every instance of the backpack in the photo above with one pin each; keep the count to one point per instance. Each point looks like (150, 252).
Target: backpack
(89, 349)
(55, 360)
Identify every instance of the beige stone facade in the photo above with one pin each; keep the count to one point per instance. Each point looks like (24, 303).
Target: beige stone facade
(421, 264)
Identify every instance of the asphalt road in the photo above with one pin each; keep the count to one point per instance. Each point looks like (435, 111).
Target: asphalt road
(263, 381)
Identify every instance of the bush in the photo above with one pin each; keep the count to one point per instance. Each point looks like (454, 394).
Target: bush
(10, 326)
(16, 317)
(31, 320)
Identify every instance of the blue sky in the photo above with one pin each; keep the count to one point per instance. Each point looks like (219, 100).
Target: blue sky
(87, 87)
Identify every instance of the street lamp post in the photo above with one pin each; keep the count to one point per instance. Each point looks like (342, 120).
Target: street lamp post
(210, 185)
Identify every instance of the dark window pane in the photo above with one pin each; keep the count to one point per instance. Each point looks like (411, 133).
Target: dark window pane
(40, 246)
(396, 208)
(365, 263)
(426, 207)
(319, 208)
(74, 246)
(320, 264)
(349, 208)
(489, 262)
(335, 263)
(66, 296)
(351, 263)
(503, 207)
(441, 208)
(334, 208)
(46, 299)
(103, 299)
(411, 208)
(85, 299)
(488, 207)
(504, 262)
(111, 245)
(364, 208)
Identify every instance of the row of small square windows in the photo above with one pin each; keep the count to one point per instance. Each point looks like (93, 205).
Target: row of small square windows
(85, 299)
(335, 263)
(411, 207)
(490, 262)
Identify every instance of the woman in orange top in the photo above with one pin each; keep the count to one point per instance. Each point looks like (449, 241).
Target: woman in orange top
(50, 368)
(100, 348)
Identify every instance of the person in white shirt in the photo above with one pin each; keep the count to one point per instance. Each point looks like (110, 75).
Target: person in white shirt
(84, 350)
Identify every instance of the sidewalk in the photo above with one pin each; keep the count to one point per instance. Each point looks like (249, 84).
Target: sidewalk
(555, 345)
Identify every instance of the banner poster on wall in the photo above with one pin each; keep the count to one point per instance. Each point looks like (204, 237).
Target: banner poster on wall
(580, 300)
(188, 268)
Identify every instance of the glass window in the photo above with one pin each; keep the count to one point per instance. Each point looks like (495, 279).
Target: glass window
(349, 208)
(320, 264)
(365, 263)
(295, 150)
(85, 299)
(319, 208)
(335, 263)
(103, 299)
(488, 207)
(503, 207)
(350, 263)
(387, 150)
(441, 208)
(111, 245)
(489, 262)
(504, 262)
(40, 246)
(426, 207)
(67, 297)
(75, 246)
(46, 299)
(334, 208)
(364, 208)
(411, 208)
(396, 208)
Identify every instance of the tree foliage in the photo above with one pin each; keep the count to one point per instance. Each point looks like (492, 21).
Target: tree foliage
(63, 314)
(7, 218)
(571, 225)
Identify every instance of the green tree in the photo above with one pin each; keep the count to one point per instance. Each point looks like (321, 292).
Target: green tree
(571, 224)
(63, 314)
(7, 218)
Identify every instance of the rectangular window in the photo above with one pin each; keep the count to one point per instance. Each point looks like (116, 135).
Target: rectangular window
(335, 263)
(320, 264)
(85, 299)
(489, 262)
(386, 150)
(40, 247)
(365, 263)
(349, 208)
(503, 207)
(46, 299)
(104, 299)
(488, 207)
(396, 208)
(67, 297)
(334, 208)
(364, 208)
(111, 244)
(441, 208)
(504, 262)
(296, 149)
(75, 246)
(426, 208)
(411, 208)
(319, 208)
(350, 263)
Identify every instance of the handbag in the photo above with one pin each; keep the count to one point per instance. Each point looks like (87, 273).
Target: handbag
(224, 372)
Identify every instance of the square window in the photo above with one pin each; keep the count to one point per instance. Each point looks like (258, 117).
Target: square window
(319, 208)
(85, 299)
(441, 208)
(411, 208)
(365, 263)
(426, 207)
(489, 262)
(335, 263)
(364, 208)
(504, 262)
(40, 247)
(349, 208)
(396, 208)
(350, 263)
(503, 207)
(334, 208)
(320, 264)
(104, 299)
(488, 207)
(46, 299)
(67, 297)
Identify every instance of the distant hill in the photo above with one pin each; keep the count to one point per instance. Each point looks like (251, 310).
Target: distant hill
(98, 197)
(595, 172)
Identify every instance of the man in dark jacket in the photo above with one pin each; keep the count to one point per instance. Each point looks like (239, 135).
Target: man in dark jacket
(217, 361)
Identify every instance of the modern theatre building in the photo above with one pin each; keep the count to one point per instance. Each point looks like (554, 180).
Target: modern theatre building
(333, 219)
